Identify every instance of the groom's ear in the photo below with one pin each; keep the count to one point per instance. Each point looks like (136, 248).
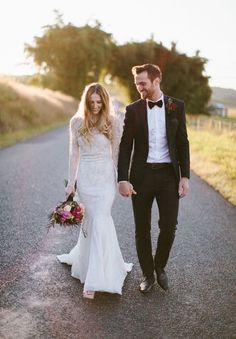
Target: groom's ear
(157, 81)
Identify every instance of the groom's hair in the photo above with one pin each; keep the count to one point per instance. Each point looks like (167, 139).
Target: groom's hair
(153, 71)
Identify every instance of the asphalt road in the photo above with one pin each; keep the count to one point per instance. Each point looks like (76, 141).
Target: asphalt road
(39, 298)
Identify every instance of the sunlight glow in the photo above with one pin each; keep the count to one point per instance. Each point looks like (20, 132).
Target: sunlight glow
(208, 26)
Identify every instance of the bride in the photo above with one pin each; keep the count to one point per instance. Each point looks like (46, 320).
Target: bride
(95, 133)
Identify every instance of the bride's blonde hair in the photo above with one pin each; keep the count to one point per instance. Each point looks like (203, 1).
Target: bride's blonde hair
(104, 121)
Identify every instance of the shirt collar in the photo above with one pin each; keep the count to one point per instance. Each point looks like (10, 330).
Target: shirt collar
(161, 98)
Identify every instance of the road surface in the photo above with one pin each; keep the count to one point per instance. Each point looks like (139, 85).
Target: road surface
(40, 299)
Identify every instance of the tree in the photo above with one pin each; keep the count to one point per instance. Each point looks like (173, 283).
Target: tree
(183, 78)
(71, 57)
(182, 75)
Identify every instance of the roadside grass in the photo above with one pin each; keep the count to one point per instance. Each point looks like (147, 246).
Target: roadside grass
(11, 138)
(27, 111)
(232, 112)
(213, 158)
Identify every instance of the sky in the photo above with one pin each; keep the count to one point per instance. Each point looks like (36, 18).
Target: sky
(205, 25)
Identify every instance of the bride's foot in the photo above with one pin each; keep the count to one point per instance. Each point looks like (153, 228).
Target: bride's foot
(89, 294)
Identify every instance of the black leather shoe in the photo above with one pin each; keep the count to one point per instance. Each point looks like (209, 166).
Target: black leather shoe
(147, 284)
(162, 278)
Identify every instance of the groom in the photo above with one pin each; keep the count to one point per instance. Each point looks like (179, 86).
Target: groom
(155, 130)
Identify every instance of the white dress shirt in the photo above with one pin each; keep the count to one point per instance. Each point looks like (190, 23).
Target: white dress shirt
(158, 147)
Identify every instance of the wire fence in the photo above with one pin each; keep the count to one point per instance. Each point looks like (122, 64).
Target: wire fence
(213, 124)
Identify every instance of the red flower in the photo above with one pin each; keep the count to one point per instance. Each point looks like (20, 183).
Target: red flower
(171, 106)
(77, 213)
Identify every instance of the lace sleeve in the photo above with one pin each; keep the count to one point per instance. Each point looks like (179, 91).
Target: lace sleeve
(116, 137)
(73, 151)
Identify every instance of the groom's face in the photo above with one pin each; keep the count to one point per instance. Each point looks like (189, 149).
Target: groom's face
(146, 88)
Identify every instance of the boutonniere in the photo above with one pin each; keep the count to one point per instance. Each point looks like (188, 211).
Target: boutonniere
(171, 106)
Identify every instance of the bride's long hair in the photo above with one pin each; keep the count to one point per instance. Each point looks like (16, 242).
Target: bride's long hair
(104, 121)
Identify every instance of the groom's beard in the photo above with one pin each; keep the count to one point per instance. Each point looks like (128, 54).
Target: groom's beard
(143, 95)
(147, 94)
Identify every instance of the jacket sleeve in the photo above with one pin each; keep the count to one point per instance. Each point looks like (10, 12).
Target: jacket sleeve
(183, 145)
(126, 146)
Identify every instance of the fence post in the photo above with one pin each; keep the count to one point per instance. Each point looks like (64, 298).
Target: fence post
(198, 124)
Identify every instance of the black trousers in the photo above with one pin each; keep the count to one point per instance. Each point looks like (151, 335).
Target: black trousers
(160, 184)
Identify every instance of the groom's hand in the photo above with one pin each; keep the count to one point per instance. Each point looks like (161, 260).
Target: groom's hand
(183, 187)
(126, 189)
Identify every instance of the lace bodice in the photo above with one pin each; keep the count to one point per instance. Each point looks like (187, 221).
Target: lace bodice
(98, 148)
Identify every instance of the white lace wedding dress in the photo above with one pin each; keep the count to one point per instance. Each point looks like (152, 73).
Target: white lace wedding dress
(96, 260)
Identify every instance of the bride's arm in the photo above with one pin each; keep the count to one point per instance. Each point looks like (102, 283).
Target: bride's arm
(73, 152)
(116, 137)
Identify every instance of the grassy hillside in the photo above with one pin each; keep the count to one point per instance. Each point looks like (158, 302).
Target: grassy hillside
(27, 110)
(227, 97)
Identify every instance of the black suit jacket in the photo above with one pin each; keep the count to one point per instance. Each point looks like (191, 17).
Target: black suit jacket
(135, 138)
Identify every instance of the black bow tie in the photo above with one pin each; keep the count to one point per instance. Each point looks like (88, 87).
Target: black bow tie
(158, 103)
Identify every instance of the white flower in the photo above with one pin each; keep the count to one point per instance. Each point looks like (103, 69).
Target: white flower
(67, 208)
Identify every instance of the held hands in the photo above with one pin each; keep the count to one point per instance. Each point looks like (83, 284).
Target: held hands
(126, 189)
(183, 187)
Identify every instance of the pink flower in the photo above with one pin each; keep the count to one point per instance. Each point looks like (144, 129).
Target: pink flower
(60, 211)
(67, 215)
(64, 215)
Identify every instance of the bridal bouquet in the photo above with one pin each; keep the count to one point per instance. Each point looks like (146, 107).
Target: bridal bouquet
(67, 213)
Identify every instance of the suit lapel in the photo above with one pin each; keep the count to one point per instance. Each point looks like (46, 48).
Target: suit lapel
(167, 116)
(143, 117)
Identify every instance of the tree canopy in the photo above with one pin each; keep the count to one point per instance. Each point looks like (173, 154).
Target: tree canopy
(70, 57)
(182, 75)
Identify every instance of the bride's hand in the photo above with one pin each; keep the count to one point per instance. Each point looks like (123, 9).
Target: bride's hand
(69, 190)
(126, 189)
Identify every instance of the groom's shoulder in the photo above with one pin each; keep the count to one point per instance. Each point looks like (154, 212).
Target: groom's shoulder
(177, 100)
(135, 104)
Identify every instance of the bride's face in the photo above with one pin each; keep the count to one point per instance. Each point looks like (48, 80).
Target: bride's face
(95, 104)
